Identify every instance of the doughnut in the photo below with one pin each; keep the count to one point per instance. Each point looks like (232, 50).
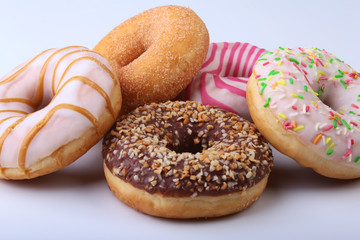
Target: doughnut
(223, 77)
(155, 54)
(53, 108)
(305, 101)
(182, 159)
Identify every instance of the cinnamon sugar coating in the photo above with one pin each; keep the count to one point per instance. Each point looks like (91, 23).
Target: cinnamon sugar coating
(156, 53)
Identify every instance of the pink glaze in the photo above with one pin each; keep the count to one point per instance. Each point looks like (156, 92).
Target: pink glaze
(223, 77)
(315, 96)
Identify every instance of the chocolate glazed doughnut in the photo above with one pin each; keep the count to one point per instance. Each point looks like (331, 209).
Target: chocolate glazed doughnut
(186, 160)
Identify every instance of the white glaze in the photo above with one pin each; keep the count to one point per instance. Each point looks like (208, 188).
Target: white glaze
(64, 125)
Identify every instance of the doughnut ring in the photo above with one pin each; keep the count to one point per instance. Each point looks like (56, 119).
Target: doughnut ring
(306, 103)
(223, 77)
(155, 54)
(183, 159)
(53, 108)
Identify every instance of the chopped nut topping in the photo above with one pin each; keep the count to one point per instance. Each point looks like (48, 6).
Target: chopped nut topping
(153, 148)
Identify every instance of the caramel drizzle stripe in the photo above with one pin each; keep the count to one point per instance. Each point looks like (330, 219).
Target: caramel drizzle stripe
(9, 79)
(32, 133)
(14, 111)
(2, 169)
(40, 85)
(5, 119)
(58, 63)
(95, 86)
(77, 60)
(6, 133)
(8, 130)
(20, 100)
(41, 78)
(18, 72)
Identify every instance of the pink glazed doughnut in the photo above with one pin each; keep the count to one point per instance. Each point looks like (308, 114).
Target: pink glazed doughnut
(223, 77)
(53, 108)
(305, 101)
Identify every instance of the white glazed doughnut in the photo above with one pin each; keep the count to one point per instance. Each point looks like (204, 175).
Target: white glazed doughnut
(223, 77)
(306, 103)
(53, 109)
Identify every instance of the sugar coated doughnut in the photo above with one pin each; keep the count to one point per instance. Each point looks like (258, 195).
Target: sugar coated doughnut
(306, 103)
(156, 53)
(223, 77)
(53, 108)
(183, 159)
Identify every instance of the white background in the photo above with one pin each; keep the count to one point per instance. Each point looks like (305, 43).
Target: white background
(75, 202)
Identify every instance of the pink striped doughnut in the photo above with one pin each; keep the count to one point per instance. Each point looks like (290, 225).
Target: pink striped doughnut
(223, 77)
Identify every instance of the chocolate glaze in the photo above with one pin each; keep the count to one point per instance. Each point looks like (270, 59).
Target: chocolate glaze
(183, 149)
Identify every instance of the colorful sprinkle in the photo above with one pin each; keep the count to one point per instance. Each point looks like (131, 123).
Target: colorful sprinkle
(263, 88)
(343, 83)
(282, 82)
(300, 127)
(331, 146)
(339, 129)
(347, 153)
(317, 138)
(287, 125)
(355, 106)
(267, 102)
(321, 72)
(283, 116)
(294, 60)
(273, 72)
(351, 112)
(354, 123)
(329, 152)
(327, 128)
(315, 93)
(314, 104)
(335, 123)
(318, 61)
(346, 124)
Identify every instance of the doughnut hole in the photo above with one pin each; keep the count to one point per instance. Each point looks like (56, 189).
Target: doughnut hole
(190, 143)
